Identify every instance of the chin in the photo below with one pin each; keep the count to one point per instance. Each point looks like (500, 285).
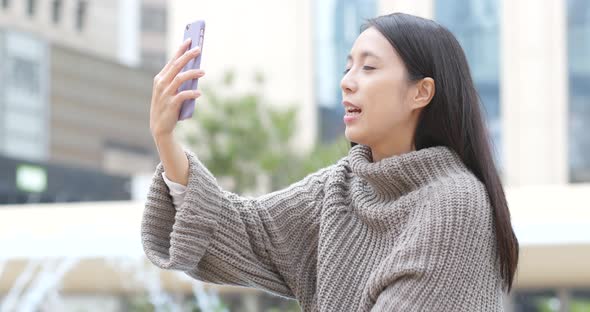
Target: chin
(353, 136)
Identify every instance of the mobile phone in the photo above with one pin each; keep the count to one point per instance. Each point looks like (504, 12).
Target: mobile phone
(195, 31)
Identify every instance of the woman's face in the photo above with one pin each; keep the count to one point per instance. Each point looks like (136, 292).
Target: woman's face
(376, 82)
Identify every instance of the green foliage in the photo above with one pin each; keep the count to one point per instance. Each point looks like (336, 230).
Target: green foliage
(141, 303)
(321, 156)
(580, 305)
(242, 137)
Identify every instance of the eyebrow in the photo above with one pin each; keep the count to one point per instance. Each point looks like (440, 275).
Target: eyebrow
(363, 55)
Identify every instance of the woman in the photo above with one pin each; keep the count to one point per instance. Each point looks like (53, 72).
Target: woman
(414, 218)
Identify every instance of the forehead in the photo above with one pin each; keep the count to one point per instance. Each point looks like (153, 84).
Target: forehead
(371, 44)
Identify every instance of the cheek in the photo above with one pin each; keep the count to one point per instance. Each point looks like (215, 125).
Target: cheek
(386, 100)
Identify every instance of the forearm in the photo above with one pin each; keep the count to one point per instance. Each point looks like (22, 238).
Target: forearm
(173, 158)
(265, 230)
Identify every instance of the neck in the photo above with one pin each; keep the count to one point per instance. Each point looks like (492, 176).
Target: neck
(398, 145)
(380, 152)
(397, 175)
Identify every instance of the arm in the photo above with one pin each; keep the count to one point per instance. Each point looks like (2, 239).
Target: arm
(173, 158)
(444, 263)
(267, 242)
(177, 191)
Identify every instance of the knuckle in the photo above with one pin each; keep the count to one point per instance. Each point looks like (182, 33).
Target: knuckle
(178, 78)
(159, 85)
(177, 100)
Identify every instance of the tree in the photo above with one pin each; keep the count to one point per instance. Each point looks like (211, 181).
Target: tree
(242, 139)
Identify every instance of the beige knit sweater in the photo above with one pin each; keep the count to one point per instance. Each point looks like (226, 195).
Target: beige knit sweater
(408, 233)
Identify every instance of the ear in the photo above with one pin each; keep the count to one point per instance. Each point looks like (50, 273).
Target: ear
(425, 89)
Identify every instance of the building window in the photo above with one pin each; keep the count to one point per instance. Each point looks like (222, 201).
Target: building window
(475, 23)
(25, 75)
(337, 27)
(23, 108)
(81, 14)
(31, 7)
(153, 19)
(578, 49)
(56, 11)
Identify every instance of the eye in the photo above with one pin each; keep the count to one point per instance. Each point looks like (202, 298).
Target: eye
(364, 67)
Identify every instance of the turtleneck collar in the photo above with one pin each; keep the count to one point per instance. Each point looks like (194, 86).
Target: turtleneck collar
(397, 175)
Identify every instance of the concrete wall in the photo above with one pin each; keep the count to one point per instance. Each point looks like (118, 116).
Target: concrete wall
(534, 100)
(99, 113)
(98, 37)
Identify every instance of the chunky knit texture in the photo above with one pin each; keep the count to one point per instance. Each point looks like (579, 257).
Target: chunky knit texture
(412, 232)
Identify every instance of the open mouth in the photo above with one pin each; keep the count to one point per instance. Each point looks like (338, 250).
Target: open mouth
(351, 111)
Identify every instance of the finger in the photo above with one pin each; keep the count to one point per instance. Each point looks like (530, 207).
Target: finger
(182, 77)
(181, 49)
(185, 95)
(180, 62)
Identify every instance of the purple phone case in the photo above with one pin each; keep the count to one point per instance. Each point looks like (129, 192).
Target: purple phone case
(196, 32)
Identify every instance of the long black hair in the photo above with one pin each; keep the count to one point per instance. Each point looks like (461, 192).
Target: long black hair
(454, 116)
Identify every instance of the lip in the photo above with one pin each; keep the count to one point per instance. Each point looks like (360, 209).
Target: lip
(350, 118)
(348, 104)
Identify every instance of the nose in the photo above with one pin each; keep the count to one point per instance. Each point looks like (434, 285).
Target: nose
(348, 84)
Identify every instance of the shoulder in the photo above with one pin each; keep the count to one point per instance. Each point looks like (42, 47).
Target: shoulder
(317, 180)
(460, 196)
(455, 211)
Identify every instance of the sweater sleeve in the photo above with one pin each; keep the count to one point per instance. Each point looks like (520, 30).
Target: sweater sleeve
(268, 242)
(445, 262)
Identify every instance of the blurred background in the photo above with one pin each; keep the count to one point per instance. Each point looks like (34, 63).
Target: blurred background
(76, 155)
